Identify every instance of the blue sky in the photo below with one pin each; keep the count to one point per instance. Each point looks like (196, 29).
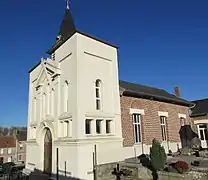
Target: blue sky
(162, 43)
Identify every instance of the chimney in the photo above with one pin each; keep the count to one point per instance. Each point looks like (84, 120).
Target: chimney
(177, 91)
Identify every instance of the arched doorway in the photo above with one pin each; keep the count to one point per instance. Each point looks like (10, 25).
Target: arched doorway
(48, 152)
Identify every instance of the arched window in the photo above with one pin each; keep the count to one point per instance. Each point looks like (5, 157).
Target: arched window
(66, 96)
(98, 94)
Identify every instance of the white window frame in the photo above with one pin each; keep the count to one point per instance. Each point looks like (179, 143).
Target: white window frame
(2, 151)
(137, 122)
(20, 159)
(98, 87)
(163, 125)
(9, 150)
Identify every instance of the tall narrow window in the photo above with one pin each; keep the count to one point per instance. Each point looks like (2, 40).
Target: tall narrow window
(44, 104)
(34, 109)
(182, 121)
(98, 94)
(88, 126)
(108, 126)
(163, 128)
(137, 128)
(48, 99)
(52, 102)
(66, 96)
(98, 126)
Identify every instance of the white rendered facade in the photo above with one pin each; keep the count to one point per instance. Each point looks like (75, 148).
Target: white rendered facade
(62, 95)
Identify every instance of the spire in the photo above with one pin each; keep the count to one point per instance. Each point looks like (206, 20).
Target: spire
(67, 4)
(66, 30)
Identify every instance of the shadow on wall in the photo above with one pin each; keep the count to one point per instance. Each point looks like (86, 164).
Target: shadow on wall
(40, 175)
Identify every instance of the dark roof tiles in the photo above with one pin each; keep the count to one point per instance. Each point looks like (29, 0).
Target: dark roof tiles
(133, 89)
(200, 108)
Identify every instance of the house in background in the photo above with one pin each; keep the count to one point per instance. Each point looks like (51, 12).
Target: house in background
(13, 148)
(21, 138)
(199, 115)
(7, 149)
(148, 113)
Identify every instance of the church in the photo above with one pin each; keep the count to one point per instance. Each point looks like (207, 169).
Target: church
(81, 113)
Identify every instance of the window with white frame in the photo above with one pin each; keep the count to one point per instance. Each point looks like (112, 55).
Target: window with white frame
(98, 126)
(182, 121)
(9, 150)
(108, 126)
(65, 128)
(163, 123)
(137, 128)
(88, 123)
(20, 157)
(20, 147)
(2, 151)
(98, 94)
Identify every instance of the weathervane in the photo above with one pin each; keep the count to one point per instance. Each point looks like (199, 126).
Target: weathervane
(67, 4)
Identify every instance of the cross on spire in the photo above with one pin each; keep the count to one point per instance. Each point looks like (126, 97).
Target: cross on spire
(67, 4)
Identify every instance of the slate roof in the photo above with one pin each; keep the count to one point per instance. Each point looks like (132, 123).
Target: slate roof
(68, 29)
(7, 141)
(200, 108)
(137, 90)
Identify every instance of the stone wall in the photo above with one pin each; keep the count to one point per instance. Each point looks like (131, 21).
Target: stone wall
(104, 171)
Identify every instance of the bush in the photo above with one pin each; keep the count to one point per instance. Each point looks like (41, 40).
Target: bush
(157, 155)
(181, 166)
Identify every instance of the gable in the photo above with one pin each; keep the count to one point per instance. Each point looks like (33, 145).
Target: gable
(47, 72)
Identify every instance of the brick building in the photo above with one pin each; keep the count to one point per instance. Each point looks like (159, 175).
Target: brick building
(7, 148)
(148, 113)
(13, 148)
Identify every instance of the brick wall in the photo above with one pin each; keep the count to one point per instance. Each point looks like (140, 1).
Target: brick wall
(151, 121)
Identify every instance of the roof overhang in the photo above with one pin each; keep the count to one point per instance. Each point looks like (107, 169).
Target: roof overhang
(59, 43)
(157, 98)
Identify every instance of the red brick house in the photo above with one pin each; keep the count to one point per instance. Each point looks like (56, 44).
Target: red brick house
(7, 148)
(13, 148)
(149, 113)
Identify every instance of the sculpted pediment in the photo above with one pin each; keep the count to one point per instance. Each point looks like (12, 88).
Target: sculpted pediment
(49, 69)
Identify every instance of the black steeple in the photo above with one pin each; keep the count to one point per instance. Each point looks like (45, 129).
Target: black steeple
(67, 29)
